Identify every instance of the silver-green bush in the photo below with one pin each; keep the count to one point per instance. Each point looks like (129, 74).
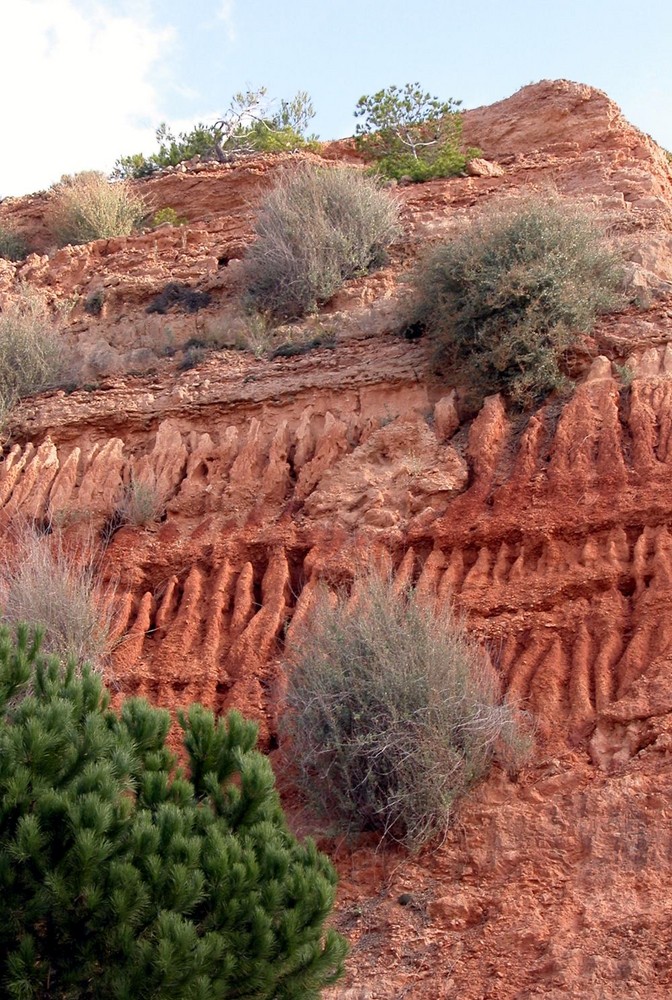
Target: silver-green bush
(392, 713)
(513, 289)
(319, 227)
(141, 504)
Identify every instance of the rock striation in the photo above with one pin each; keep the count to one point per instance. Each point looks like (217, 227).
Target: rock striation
(551, 533)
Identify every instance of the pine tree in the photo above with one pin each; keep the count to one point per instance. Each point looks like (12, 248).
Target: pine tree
(120, 879)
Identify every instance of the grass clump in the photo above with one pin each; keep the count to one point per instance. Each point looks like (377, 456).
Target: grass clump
(32, 355)
(513, 290)
(87, 207)
(392, 713)
(58, 591)
(141, 504)
(319, 227)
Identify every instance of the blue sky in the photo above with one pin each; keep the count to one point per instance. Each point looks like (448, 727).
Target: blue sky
(91, 79)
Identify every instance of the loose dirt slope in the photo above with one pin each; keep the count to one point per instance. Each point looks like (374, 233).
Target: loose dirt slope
(552, 533)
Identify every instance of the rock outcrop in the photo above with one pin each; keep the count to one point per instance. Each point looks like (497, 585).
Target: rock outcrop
(551, 533)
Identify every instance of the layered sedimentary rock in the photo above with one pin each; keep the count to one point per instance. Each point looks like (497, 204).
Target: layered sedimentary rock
(551, 532)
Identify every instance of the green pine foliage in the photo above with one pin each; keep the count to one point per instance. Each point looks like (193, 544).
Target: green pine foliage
(251, 124)
(120, 879)
(409, 133)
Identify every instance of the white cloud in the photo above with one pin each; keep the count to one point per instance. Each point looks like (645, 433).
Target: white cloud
(225, 14)
(82, 89)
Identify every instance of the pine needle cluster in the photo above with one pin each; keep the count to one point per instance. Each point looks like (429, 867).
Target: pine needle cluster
(120, 878)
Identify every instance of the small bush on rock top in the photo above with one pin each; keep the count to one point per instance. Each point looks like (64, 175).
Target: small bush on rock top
(513, 290)
(392, 713)
(120, 878)
(410, 133)
(168, 216)
(317, 228)
(252, 124)
(88, 207)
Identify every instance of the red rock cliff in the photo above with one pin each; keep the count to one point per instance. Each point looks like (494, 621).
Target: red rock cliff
(553, 534)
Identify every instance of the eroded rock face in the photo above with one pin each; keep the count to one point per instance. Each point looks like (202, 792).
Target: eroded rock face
(551, 533)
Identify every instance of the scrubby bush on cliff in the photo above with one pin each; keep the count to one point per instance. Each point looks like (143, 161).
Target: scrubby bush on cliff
(317, 228)
(32, 355)
(120, 878)
(513, 289)
(392, 713)
(410, 133)
(59, 591)
(88, 207)
(12, 245)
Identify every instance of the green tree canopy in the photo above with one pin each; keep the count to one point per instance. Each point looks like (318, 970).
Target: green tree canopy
(408, 131)
(120, 878)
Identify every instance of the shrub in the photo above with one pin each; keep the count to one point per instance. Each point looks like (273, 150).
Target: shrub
(252, 125)
(88, 207)
(94, 302)
(168, 216)
(392, 714)
(120, 878)
(12, 244)
(176, 294)
(317, 228)
(410, 133)
(59, 591)
(141, 504)
(513, 290)
(32, 355)
(136, 167)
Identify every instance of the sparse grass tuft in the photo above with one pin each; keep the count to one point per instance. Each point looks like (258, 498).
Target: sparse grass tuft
(141, 504)
(318, 228)
(168, 216)
(43, 584)
(393, 713)
(32, 355)
(255, 334)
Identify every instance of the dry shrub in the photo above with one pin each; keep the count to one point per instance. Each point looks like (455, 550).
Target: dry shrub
(32, 354)
(393, 713)
(513, 289)
(88, 207)
(59, 591)
(12, 244)
(141, 504)
(319, 227)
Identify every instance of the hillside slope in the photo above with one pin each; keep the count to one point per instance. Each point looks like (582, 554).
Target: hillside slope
(552, 533)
